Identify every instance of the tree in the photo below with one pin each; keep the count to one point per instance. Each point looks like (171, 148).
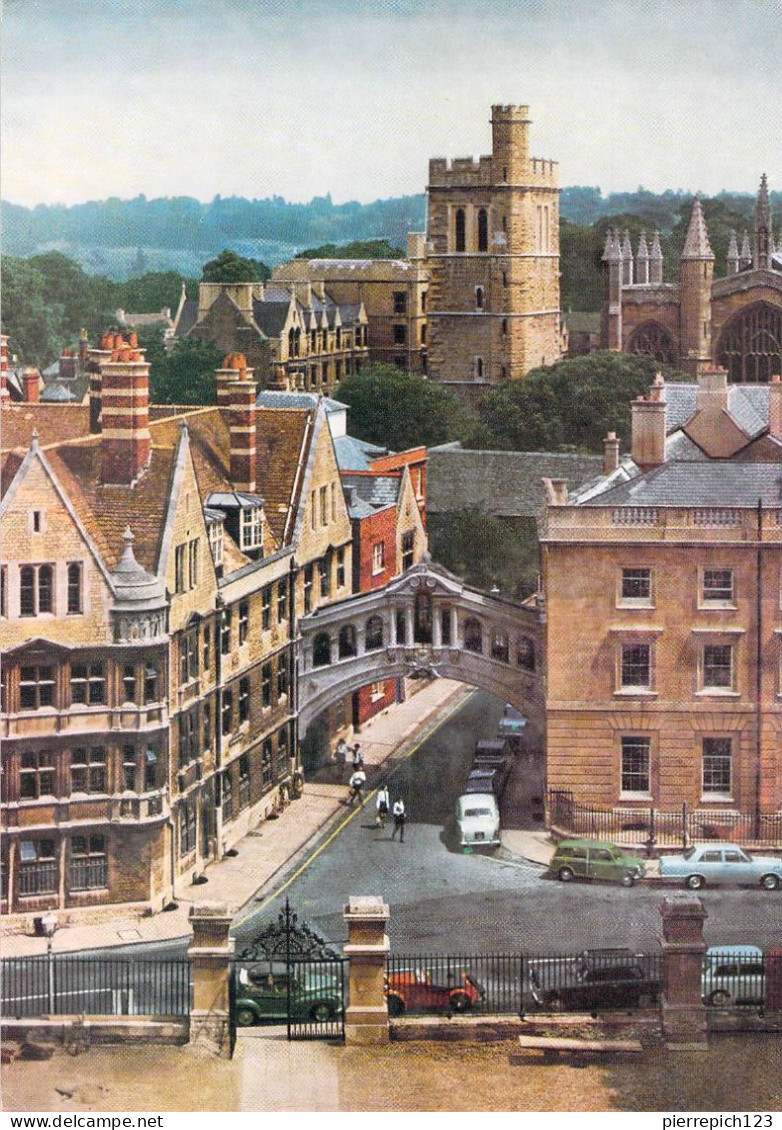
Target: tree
(397, 409)
(230, 267)
(186, 374)
(487, 551)
(358, 249)
(569, 405)
(35, 324)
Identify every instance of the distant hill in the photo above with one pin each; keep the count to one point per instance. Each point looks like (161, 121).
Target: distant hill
(122, 239)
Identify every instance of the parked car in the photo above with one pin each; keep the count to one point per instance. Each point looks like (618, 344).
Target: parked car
(410, 990)
(511, 726)
(262, 995)
(492, 751)
(478, 820)
(722, 863)
(595, 859)
(733, 974)
(494, 776)
(596, 979)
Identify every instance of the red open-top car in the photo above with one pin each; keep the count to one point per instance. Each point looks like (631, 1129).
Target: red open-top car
(412, 990)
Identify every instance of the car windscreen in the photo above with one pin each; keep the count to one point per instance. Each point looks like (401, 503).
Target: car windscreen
(477, 812)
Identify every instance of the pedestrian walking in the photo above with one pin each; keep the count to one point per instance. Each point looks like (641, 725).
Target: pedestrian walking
(358, 758)
(341, 754)
(356, 783)
(399, 815)
(383, 804)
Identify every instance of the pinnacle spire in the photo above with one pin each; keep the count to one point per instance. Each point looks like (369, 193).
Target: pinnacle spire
(696, 245)
(763, 234)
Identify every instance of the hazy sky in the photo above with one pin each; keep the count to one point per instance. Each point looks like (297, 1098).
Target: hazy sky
(302, 97)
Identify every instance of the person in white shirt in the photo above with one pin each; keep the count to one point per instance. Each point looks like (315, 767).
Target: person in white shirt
(383, 805)
(398, 812)
(356, 782)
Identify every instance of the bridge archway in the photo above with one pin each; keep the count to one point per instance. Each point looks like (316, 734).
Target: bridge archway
(426, 622)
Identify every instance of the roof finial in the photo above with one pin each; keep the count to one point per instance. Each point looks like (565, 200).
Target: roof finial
(696, 245)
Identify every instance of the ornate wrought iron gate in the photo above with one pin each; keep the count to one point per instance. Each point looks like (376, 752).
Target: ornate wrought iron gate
(289, 973)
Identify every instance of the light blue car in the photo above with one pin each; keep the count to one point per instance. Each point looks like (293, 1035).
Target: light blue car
(713, 864)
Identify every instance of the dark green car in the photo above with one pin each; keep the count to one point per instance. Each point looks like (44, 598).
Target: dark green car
(262, 995)
(596, 859)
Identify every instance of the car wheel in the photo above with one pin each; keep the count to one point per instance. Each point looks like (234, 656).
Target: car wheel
(769, 882)
(628, 879)
(565, 874)
(460, 1002)
(719, 999)
(245, 1017)
(321, 1012)
(695, 882)
(396, 1006)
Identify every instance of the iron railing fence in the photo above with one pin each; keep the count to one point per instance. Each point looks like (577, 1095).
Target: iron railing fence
(466, 983)
(67, 984)
(655, 828)
(316, 999)
(594, 980)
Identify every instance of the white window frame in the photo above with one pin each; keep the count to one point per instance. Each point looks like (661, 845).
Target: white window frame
(378, 557)
(707, 603)
(251, 527)
(623, 601)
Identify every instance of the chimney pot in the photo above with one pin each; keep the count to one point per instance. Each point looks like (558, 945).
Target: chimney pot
(610, 453)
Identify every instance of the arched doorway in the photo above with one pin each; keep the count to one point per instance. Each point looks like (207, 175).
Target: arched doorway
(652, 340)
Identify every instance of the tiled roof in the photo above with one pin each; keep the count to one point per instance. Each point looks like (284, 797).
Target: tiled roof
(54, 423)
(747, 405)
(700, 484)
(273, 398)
(187, 318)
(271, 314)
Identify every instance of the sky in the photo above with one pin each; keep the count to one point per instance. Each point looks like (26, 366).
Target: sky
(299, 98)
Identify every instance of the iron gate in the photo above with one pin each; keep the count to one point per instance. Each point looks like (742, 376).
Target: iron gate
(289, 974)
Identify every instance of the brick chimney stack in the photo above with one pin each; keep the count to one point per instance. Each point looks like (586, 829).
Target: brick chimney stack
(648, 414)
(124, 422)
(712, 389)
(775, 407)
(31, 385)
(610, 453)
(237, 393)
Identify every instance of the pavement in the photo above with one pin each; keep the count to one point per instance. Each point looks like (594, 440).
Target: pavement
(272, 845)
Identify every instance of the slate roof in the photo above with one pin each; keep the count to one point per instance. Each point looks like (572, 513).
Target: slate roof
(277, 398)
(367, 494)
(187, 317)
(502, 483)
(705, 484)
(747, 405)
(356, 454)
(271, 314)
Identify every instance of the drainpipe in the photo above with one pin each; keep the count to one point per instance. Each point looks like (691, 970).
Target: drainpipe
(758, 667)
(218, 723)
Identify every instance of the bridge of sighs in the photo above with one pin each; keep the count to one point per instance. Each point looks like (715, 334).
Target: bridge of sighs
(424, 623)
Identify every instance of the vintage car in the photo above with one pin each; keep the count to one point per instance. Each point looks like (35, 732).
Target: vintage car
(596, 979)
(488, 779)
(492, 751)
(733, 975)
(478, 820)
(595, 859)
(712, 864)
(262, 995)
(413, 990)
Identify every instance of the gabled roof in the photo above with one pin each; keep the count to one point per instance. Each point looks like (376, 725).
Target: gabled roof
(747, 406)
(356, 454)
(707, 484)
(368, 494)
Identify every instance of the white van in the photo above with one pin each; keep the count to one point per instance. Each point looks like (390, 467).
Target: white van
(733, 975)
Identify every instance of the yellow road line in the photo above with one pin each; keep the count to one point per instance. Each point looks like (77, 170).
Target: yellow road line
(441, 720)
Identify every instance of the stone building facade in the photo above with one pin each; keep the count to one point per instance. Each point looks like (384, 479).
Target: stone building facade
(663, 597)
(393, 293)
(155, 565)
(293, 336)
(734, 321)
(493, 309)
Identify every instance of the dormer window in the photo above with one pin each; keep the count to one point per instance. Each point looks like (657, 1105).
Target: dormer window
(251, 528)
(215, 530)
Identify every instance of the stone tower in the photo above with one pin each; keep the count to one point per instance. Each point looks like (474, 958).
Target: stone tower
(493, 256)
(697, 273)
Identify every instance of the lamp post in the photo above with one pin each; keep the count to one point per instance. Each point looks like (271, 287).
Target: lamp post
(49, 925)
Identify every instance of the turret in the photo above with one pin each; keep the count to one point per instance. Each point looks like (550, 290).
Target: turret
(697, 273)
(733, 255)
(656, 261)
(510, 144)
(611, 316)
(627, 260)
(761, 259)
(642, 261)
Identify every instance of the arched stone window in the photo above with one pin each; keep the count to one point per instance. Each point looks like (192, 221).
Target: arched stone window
(750, 347)
(321, 650)
(525, 653)
(291, 342)
(652, 340)
(483, 230)
(473, 635)
(373, 633)
(347, 642)
(459, 228)
(500, 647)
(422, 627)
